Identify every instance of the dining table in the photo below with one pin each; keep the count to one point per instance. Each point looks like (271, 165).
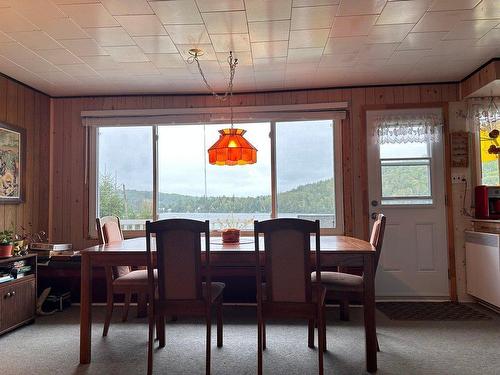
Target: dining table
(335, 251)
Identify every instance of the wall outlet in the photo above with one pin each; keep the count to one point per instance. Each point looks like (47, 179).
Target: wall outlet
(458, 179)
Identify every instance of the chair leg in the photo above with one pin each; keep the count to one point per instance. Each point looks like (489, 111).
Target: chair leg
(219, 325)
(324, 327)
(344, 310)
(126, 306)
(109, 313)
(310, 333)
(321, 341)
(378, 347)
(160, 330)
(150, 342)
(259, 347)
(264, 340)
(209, 342)
(142, 305)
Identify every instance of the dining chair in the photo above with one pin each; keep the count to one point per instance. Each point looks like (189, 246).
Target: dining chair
(119, 279)
(179, 289)
(346, 287)
(288, 291)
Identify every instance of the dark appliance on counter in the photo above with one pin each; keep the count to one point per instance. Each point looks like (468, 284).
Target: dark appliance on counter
(487, 202)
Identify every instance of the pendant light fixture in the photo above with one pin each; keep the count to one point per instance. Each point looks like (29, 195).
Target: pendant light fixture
(231, 148)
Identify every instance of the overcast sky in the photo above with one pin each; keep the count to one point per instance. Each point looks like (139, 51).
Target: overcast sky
(304, 155)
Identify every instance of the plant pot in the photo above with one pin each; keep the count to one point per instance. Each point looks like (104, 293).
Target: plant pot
(6, 251)
(231, 236)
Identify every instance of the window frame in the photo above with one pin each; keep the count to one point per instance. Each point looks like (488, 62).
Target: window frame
(337, 169)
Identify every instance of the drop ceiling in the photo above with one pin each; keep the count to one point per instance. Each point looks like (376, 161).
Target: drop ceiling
(89, 47)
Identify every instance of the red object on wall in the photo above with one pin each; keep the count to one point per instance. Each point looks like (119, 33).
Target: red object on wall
(232, 149)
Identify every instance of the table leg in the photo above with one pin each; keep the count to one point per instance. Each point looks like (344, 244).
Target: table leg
(369, 312)
(85, 308)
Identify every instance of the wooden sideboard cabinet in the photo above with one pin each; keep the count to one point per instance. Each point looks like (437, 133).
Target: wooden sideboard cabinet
(18, 295)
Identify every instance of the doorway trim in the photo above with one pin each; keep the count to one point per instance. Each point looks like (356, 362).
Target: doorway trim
(452, 279)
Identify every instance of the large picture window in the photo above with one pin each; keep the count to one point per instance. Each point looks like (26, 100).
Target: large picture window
(162, 171)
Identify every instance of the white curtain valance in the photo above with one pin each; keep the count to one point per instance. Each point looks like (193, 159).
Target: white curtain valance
(483, 114)
(408, 128)
(207, 115)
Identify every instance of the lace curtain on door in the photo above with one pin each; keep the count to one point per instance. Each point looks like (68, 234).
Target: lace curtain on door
(397, 129)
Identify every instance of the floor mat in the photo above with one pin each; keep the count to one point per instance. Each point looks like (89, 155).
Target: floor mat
(430, 311)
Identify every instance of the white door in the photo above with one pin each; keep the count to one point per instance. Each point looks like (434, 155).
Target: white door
(406, 183)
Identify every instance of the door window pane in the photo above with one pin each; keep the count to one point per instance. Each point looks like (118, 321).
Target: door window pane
(304, 171)
(125, 178)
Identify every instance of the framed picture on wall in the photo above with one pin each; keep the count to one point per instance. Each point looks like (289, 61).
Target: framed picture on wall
(12, 163)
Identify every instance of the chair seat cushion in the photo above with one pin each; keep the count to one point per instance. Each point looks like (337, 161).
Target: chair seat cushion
(216, 289)
(138, 277)
(338, 281)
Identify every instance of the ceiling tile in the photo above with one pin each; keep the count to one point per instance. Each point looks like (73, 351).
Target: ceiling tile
(177, 12)
(340, 60)
(83, 47)
(389, 33)
(179, 73)
(166, 60)
(230, 42)
(110, 36)
(408, 57)
(89, 15)
(78, 70)
(59, 56)
(269, 49)
(308, 38)
(39, 11)
(11, 21)
(38, 65)
(304, 55)
(377, 51)
(471, 29)
(220, 5)
(267, 31)
(100, 62)
(35, 40)
(269, 63)
(311, 3)
(188, 34)
(140, 68)
(486, 9)
(156, 44)
(421, 40)
(403, 12)
(225, 22)
(263, 10)
(127, 54)
(141, 25)
(491, 38)
(212, 66)
(4, 38)
(244, 59)
(440, 5)
(360, 7)
(352, 26)
(64, 28)
(345, 45)
(438, 21)
(452, 47)
(127, 7)
(313, 17)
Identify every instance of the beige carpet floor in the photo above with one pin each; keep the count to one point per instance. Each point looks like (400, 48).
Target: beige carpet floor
(51, 346)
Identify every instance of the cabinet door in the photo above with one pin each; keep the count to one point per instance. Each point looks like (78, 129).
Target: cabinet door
(18, 303)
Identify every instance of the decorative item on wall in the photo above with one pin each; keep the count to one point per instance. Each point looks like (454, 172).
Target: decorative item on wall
(460, 149)
(231, 148)
(12, 163)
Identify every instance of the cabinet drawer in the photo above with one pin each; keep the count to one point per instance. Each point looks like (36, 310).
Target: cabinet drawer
(17, 302)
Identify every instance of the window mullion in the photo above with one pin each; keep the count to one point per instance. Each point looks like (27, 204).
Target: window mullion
(155, 171)
(274, 186)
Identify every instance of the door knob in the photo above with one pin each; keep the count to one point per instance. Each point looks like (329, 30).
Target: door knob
(374, 215)
(374, 203)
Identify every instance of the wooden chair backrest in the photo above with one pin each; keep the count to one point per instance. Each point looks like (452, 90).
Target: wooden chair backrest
(287, 245)
(109, 230)
(178, 254)
(377, 236)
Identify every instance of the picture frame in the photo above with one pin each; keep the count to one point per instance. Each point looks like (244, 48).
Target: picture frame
(12, 163)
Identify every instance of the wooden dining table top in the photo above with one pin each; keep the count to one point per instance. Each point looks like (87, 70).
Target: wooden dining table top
(337, 244)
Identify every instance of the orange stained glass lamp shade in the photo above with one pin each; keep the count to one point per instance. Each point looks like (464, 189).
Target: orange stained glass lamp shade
(232, 149)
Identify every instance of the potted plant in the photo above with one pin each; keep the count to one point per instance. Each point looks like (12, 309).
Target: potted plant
(6, 243)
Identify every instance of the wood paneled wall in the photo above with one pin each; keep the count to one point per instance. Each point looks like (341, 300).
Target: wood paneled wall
(484, 76)
(69, 193)
(28, 109)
